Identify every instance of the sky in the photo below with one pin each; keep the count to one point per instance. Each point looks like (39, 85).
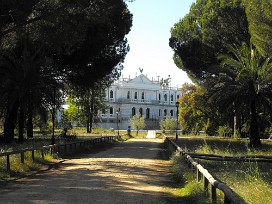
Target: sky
(149, 39)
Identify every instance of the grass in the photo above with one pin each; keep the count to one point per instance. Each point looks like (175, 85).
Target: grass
(19, 169)
(251, 180)
(188, 190)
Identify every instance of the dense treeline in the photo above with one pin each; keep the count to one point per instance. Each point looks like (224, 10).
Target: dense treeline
(48, 47)
(225, 48)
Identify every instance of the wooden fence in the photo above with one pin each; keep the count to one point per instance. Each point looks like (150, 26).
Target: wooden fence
(202, 174)
(60, 148)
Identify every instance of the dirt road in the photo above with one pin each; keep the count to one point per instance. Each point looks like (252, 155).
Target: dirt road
(128, 172)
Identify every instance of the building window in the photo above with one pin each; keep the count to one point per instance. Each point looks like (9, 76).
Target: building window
(111, 94)
(159, 97)
(147, 113)
(165, 97)
(111, 110)
(143, 95)
(165, 112)
(141, 111)
(135, 95)
(172, 97)
(177, 96)
(172, 113)
(159, 112)
(103, 111)
(133, 111)
(128, 95)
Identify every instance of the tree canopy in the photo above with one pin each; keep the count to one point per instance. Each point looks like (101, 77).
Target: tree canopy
(225, 46)
(75, 42)
(259, 13)
(205, 32)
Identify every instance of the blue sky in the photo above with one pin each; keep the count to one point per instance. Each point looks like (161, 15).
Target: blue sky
(149, 39)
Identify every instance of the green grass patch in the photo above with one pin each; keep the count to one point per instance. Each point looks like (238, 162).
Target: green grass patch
(251, 180)
(19, 169)
(188, 190)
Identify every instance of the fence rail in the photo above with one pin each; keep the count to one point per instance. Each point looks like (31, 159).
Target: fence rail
(201, 173)
(56, 147)
(256, 158)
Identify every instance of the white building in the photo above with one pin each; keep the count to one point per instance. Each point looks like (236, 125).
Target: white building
(127, 97)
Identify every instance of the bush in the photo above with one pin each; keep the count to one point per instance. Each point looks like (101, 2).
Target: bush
(224, 131)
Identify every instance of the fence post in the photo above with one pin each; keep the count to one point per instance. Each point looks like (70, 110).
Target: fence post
(42, 153)
(33, 156)
(8, 163)
(22, 157)
(213, 194)
(205, 180)
(198, 174)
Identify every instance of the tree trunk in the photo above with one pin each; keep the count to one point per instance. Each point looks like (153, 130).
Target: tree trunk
(255, 140)
(88, 111)
(92, 110)
(30, 121)
(10, 121)
(21, 124)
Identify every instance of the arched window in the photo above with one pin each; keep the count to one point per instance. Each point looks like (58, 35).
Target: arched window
(165, 112)
(135, 95)
(177, 96)
(111, 93)
(147, 113)
(141, 111)
(171, 112)
(159, 97)
(142, 95)
(165, 97)
(128, 95)
(172, 97)
(133, 111)
(111, 110)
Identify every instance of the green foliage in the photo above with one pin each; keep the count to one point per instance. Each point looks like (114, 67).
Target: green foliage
(137, 122)
(205, 32)
(168, 124)
(224, 131)
(240, 87)
(18, 169)
(189, 190)
(44, 44)
(196, 112)
(252, 181)
(244, 81)
(260, 24)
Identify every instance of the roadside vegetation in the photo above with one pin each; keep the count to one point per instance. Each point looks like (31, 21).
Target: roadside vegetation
(19, 169)
(187, 188)
(251, 180)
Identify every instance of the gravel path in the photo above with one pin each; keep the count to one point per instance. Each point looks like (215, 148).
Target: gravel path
(128, 172)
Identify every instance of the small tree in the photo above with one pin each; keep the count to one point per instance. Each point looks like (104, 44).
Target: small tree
(168, 124)
(137, 122)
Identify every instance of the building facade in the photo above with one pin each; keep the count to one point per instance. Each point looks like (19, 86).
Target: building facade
(140, 95)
